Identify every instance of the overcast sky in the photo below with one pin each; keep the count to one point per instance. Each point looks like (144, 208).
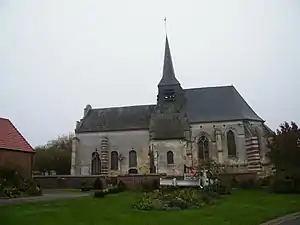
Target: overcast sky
(56, 56)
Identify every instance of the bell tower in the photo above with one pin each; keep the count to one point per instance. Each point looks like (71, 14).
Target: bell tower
(169, 121)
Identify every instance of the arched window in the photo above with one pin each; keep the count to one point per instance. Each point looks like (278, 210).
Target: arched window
(203, 148)
(96, 163)
(132, 159)
(114, 160)
(231, 144)
(170, 157)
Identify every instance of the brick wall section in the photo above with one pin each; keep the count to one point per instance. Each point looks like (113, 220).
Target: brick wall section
(66, 181)
(24, 160)
(132, 182)
(253, 155)
(238, 177)
(104, 156)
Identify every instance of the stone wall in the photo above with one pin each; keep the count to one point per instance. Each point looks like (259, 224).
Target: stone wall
(132, 182)
(160, 149)
(184, 152)
(220, 153)
(121, 142)
(66, 181)
(239, 177)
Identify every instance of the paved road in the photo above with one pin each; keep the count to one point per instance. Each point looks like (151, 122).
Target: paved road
(47, 196)
(292, 222)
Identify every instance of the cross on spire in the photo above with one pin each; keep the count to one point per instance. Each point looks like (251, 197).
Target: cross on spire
(165, 19)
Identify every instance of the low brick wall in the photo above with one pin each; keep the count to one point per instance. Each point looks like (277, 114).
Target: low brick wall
(132, 182)
(238, 177)
(66, 181)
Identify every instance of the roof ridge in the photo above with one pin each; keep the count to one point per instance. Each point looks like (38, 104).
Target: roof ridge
(124, 106)
(20, 136)
(244, 102)
(217, 86)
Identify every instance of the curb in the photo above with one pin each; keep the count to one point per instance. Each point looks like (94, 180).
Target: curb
(282, 219)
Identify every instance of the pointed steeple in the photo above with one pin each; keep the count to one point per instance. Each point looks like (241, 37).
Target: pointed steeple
(168, 77)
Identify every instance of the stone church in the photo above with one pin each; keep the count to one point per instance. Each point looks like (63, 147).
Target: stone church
(184, 127)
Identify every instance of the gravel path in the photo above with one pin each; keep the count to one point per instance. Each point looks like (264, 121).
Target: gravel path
(47, 196)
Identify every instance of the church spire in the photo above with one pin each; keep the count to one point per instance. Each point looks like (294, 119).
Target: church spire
(168, 70)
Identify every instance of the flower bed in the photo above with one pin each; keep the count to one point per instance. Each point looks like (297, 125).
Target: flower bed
(174, 198)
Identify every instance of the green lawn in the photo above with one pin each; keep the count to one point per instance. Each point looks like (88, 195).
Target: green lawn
(242, 208)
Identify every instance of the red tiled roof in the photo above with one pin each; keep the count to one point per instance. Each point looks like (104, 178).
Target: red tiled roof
(11, 138)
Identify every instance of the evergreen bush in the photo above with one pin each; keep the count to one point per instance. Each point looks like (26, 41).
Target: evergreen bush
(121, 185)
(98, 184)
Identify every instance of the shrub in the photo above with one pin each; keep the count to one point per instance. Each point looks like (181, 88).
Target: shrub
(265, 181)
(178, 203)
(99, 194)
(146, 186)
(209, 197)
(85, 187)
(175, 199)
(13, 184)
(156, 184)
(234, 182)
(218, 188)
(157, 205)
(10, 176)
(168, 189)
(34, 191)
(284, 185)
(11, 192)
(98, 184)
(121, 185)
(32, 188)
(145, 203)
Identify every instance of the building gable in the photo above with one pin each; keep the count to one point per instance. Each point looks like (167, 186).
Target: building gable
(11, 138)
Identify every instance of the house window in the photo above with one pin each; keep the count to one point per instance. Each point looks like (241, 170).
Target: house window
(231, 143)
(114, 160)
(96, 163)
(132, 159)
(203, 148)
(170, 157)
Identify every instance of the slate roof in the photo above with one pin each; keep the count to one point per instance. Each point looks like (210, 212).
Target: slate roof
(209, 104)
(11, 138)
(117, 118)
(212, 104)
(168, 77)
